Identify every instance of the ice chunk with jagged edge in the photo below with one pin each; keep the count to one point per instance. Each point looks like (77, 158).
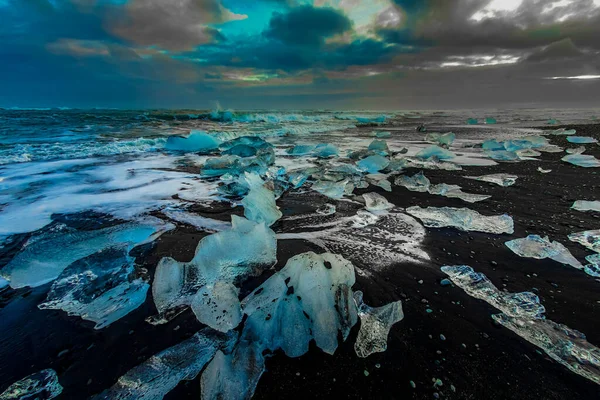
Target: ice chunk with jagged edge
(463, 219)
(298, 178)
(498, 179)
(581, 139)
(251, 141)
(98, 288)
(582, 160)
(454, 191)
(383, 134)
(376, 202)
(326, 150)
(218, 166)
(445, 139)
(379, 147)
(373, 164)
(42, 385)
(561, 131)
(218, 306)
(161, 373)
(576, 150)
(525, 304)
(534, 246)
(375, 325)
(259, 204)
(379, 180)
(564, 345)
(230, 255)
(45, 256)
(326, 209)
(589, 239)
(552, 121)
(435, 151)
(415, 183)
(333, 190)
(197, 141)
(584, 205)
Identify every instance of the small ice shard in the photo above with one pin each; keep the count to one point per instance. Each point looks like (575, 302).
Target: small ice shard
(490, 121)
(544, 171)
(582, 160)
(551, 148)
(435, 151)
(454, 191)
(492, 144)
(376, 202)
(589, 239)
(445, 139)
(534, 246)
(301, 150)
(522, 305)
(415, 183)
(463, 219)
(298, 178)
(379, 146)
(383, 135)
(326, 209)
(42, 385)
(576, 150)
(241, 150)
(562, 131)
(161, 373)
(46, 255)
(375, 325)
(98, 288)
(552, 121)
(197, 141)
(498, 179)
(374, 120)
(333, 190)
(326, 150)
(259, 204)
(218, 306)
(434, 164)
(584, 205)
(472, 121)
(373, 164)
(581, 139)
(526, 154)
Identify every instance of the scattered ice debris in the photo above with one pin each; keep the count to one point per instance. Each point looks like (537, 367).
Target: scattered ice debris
(326, 209)
(472, 121)
(511, 150)
(584, 205)
(454, 191)
(375, 325)
(236, 157)
(416, 183)
(433, 163)
(435, 151)
(41, 385)
(218, 306)
(197, 141)
(376, 203)
(544, 171)
(98, 288)
(45, 255)
(161, 373)
(445, 282)
(576, 150)
(259, 204)
(582, 160)
(581, 139)
(231, 255)
(589, 239)
(562, 131)
(463, 219)
(445, 139)
(490, 121)
(333, 190)
(376, 120)
(498, 179)
(383, 135)
(373, 164)
(534, 246)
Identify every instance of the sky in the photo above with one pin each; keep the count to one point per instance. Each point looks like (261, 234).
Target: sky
(300, 54)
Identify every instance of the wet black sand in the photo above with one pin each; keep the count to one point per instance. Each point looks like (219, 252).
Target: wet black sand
(479, 359)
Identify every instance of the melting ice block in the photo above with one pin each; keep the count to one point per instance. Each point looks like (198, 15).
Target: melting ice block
(415, 183)
(435, 151)
(589, 239)
(158, 375)
(376, 202)
(379, 146)
(259, 204)
(584, 205)
(41, 385)
(373, 164)
(445, 139)
(582, 160)
(375, 325)
(46, 255)
(534, 246)
(498, 179)
(581, 139)
(333, 190)
(197, 141)
(463, 219)
(98, 288)
(218, 306)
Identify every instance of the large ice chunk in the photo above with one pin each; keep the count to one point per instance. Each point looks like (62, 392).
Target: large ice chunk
(375, 325)
(534, 246)
(584, 205)
(582, 160)
(218, 306)
(259, 204)
(373, 164)
(435, 151)
(581, 139)
(498, 179)
(376, 202)
(463, 219)
(197, 141)
(98, 288)
(41, 385)
(589, 239)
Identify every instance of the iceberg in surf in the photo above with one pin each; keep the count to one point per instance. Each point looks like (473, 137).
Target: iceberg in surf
(581, 160)
(581, 139)
(498, 179)
(375, 325)
(463, 219)
(584, 205)
(589, 239)
(534, 246)
(197, 141)
(259, 204)
(435, 151)
(373, 164)
(41, 385)
(98, 288)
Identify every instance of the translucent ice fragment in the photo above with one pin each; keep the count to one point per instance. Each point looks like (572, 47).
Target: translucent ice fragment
(218, 306)
(333, 190)
(463, 219)
(218, 166)
(562, 131)
(490, 121)
(326, 209)
(379, 180)
(576, 150)
(544, 171)
(415, 183)
(498, 179)
(298, 178)
(301, 149)
(374, 120)
(42, 385)
(445, 139)
(197, 141)
(582, 160)
(454, 191)
(581, 139)
(158, 375)
(589, 239)
(375, 325)
(3, 283)
(379, 146)
(326, 150)
(259, 204)
(98, 288)
(534, 246)
(472, 121)
(376, 202)
(583, 205)
(435, 151)
(373, 164)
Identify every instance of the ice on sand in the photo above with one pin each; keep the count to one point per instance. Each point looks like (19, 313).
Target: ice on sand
(259, 204)
(333, 190)
(498, 179)
(197, 141)
(416, 183)
(582, 160)
(435, 151)
(584, 205)
(463, 219)
(589, 239)
(218, 306)
(581, 139)
(41, 385)
(373, 164)
(562, 131)
(445, 139)
(375, 325)
(376, 202)
(454, 191)
(534, 246)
